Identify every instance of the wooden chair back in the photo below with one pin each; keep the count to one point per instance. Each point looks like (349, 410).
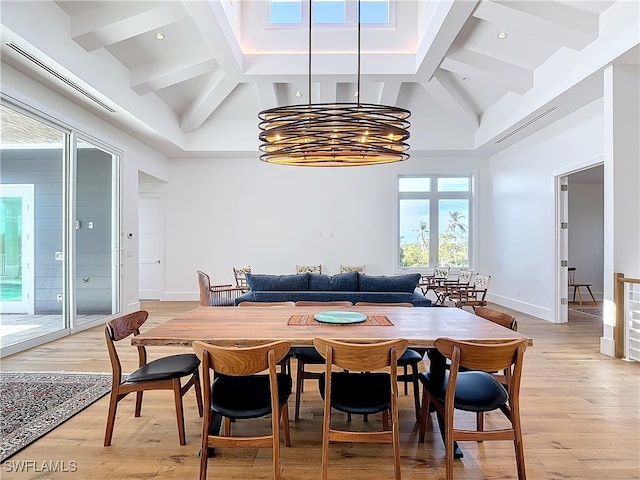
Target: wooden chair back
(241, 361)
(204, 284)
(483, 356)
(336, 303)
(267, 304)
(119, 329)
(380, 304)
(361, 356)
(501, 318)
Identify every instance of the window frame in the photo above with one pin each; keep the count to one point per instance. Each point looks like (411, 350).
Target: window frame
(350, 18)
(434, 197)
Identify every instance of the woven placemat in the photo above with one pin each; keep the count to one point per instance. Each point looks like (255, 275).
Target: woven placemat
(374, 320)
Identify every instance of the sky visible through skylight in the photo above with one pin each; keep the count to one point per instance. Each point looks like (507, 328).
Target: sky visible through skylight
(328, 12)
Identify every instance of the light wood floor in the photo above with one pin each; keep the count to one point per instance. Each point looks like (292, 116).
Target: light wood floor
(580, 413)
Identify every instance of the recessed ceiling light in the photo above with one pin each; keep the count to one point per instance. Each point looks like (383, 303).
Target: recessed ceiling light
(159, 36)
(502, 35)
(465, 79)
(298, 94)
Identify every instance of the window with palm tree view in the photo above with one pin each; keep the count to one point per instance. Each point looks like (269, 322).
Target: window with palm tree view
(433, 220)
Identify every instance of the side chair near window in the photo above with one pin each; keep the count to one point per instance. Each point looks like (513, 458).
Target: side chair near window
(352, 268)
(309, 355)
(216, 295)
(309, 268)
(451, 287)
(240, 274)
(473, 295)
(577, 286)
(240, 391)
(368, 393)
(475, 390)
(437, 278)
(410, 358)
(161, 374)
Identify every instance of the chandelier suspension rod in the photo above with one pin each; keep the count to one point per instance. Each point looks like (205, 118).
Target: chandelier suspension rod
(358, 84)
(309, 79)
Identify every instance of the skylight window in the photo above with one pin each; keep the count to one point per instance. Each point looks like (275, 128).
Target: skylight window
(332, 12)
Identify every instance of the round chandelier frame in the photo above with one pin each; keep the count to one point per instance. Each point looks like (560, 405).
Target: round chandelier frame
(334, 134)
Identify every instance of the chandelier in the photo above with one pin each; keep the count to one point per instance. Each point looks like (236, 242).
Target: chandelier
(334, 134)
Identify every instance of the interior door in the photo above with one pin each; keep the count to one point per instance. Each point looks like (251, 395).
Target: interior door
(151, 246)
(562, 305)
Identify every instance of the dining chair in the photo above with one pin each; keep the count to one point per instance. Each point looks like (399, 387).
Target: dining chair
(240, 391)
(410, 358)
(216, 295)
(309, 355)
(240, 275)
(506, 320)
(473, 295)
(431, 282)
(161, 374)
(368, 393)
(577, 286)
(476, 390)
(285, 363)
(309, 268)
(266, 304)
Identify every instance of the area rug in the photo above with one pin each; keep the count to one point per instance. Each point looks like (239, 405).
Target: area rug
(34, 403)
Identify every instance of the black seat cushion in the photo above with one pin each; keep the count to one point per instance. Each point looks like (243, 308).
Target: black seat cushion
(247, 397)
(475, 391)
(409, 356)
(173, 366)
(308, 355)
(359, 393)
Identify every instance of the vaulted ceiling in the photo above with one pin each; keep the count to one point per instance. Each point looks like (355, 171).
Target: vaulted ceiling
(199, 89)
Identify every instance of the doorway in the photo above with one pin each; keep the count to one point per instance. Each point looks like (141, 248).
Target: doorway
(581, 240)
(151, 245)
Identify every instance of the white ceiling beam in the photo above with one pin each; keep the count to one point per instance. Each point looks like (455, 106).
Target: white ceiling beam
(183, 67)
(550, 21)
(267, 95)
(468, 64)
(447, 19)
(210, 98)
(118, 21)
(214, 26)
(388, 93)
(328, 91)
(444, 91)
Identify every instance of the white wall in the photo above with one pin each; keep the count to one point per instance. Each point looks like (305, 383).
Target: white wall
(523, 208)
(239, 211)
(586, 236)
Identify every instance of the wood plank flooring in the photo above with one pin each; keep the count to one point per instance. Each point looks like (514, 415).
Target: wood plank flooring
(580, 414)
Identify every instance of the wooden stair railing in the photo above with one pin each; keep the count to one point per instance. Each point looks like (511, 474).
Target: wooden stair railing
(620, 326)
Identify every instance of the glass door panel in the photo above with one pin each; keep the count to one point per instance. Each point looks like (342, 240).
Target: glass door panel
(96, 240)
(31, 233)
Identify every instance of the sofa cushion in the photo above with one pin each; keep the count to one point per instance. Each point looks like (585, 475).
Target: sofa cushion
(267, 283)
(396, 283)
(342, 282)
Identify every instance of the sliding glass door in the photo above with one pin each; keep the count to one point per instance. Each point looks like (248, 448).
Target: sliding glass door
(58, 231)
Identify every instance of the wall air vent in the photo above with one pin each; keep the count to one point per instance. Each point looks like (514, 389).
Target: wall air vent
(59, 76)
(525, 125)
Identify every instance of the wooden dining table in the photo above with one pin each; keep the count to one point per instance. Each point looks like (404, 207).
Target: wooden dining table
(236, 326)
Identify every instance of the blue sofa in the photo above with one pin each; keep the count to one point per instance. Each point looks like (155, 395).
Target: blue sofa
(351, 286)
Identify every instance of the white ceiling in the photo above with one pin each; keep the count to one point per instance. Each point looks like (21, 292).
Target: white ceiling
(198, 91)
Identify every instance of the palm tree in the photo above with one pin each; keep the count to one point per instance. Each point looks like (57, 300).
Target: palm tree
(455, 223)
(423, 234)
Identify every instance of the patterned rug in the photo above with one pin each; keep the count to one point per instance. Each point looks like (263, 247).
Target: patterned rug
(34, 403)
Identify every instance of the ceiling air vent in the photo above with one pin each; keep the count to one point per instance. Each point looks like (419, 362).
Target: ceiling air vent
(525, 125)
(59, 76)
